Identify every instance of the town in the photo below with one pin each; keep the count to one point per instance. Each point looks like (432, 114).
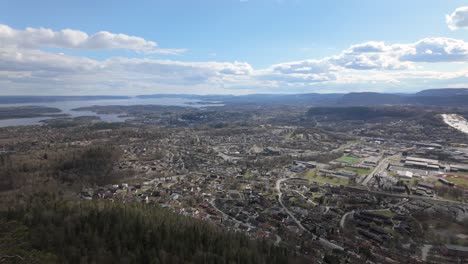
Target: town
(325, 194)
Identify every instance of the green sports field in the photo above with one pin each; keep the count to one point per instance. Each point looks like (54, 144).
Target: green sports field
(348, 159)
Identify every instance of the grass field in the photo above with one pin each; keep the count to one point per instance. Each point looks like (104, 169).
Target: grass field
(385, 213)
(359, 171)
(248, 175)
(311, 175)
(462, 173)
(460, 181)
(348, 159)
(316, 196)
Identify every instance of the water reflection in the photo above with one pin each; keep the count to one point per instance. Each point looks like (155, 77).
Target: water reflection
(68, 106)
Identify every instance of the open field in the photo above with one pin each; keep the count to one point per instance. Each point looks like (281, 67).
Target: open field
(384, 212)
(359, 171)
(248, 175)
(462, 173)
(460, 181)
(316, 196)
(311, 175)
(348, 159)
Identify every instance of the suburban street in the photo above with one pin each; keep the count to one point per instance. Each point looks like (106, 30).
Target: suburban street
(322, 240)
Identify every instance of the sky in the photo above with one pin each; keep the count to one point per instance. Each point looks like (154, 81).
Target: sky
(231, 46)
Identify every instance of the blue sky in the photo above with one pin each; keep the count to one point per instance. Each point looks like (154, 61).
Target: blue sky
(228, 46)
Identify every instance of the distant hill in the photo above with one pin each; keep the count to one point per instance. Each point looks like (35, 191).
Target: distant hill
(368, 98)
(455, 97)
(443, 92)
(434, 97)
(286, 99)
(454, 100)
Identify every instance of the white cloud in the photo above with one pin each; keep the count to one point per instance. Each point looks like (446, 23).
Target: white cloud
(373, 64)
(369, 56)
(27, 69)
(303, 67)
(30, 68)
(458, 19)
(370, 61)
(75, 39)
(371, 46)
(435, 50)
(379, 56)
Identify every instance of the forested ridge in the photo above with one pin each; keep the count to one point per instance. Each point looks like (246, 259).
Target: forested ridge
(47, 230)
(87, 166)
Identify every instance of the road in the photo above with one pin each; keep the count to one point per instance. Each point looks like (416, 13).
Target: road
(343, 219)
(380, 167)
(280, 200)
(425, 251)
(278, 240)
(436, 200)
(321, 240)
(229, 217)
(342, 148)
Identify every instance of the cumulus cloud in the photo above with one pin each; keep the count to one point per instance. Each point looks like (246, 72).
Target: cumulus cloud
(74, 39)
(380, 56)
(25, 67)
(299, 72)
(371, 46)
(373, 61)
(371, 55)
(303, 67)
(435, 50)
(370, 61)
(41, 69)
(458, 19)
(170, 72)
(24, 60)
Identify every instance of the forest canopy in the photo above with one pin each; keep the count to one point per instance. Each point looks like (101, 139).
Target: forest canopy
(45, 230)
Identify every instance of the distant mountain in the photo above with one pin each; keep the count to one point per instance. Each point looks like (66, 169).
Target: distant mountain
(436, 97)
(455, 97)
(186, 96)
(286, 99)
(432, 97)
(368, 98)
(443, 92)
(449, 100)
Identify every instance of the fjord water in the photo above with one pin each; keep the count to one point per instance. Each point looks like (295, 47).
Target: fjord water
(67, 107)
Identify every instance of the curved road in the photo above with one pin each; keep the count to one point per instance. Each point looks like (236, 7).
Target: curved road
(212, 203)
(322, 240)
(343, 219)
